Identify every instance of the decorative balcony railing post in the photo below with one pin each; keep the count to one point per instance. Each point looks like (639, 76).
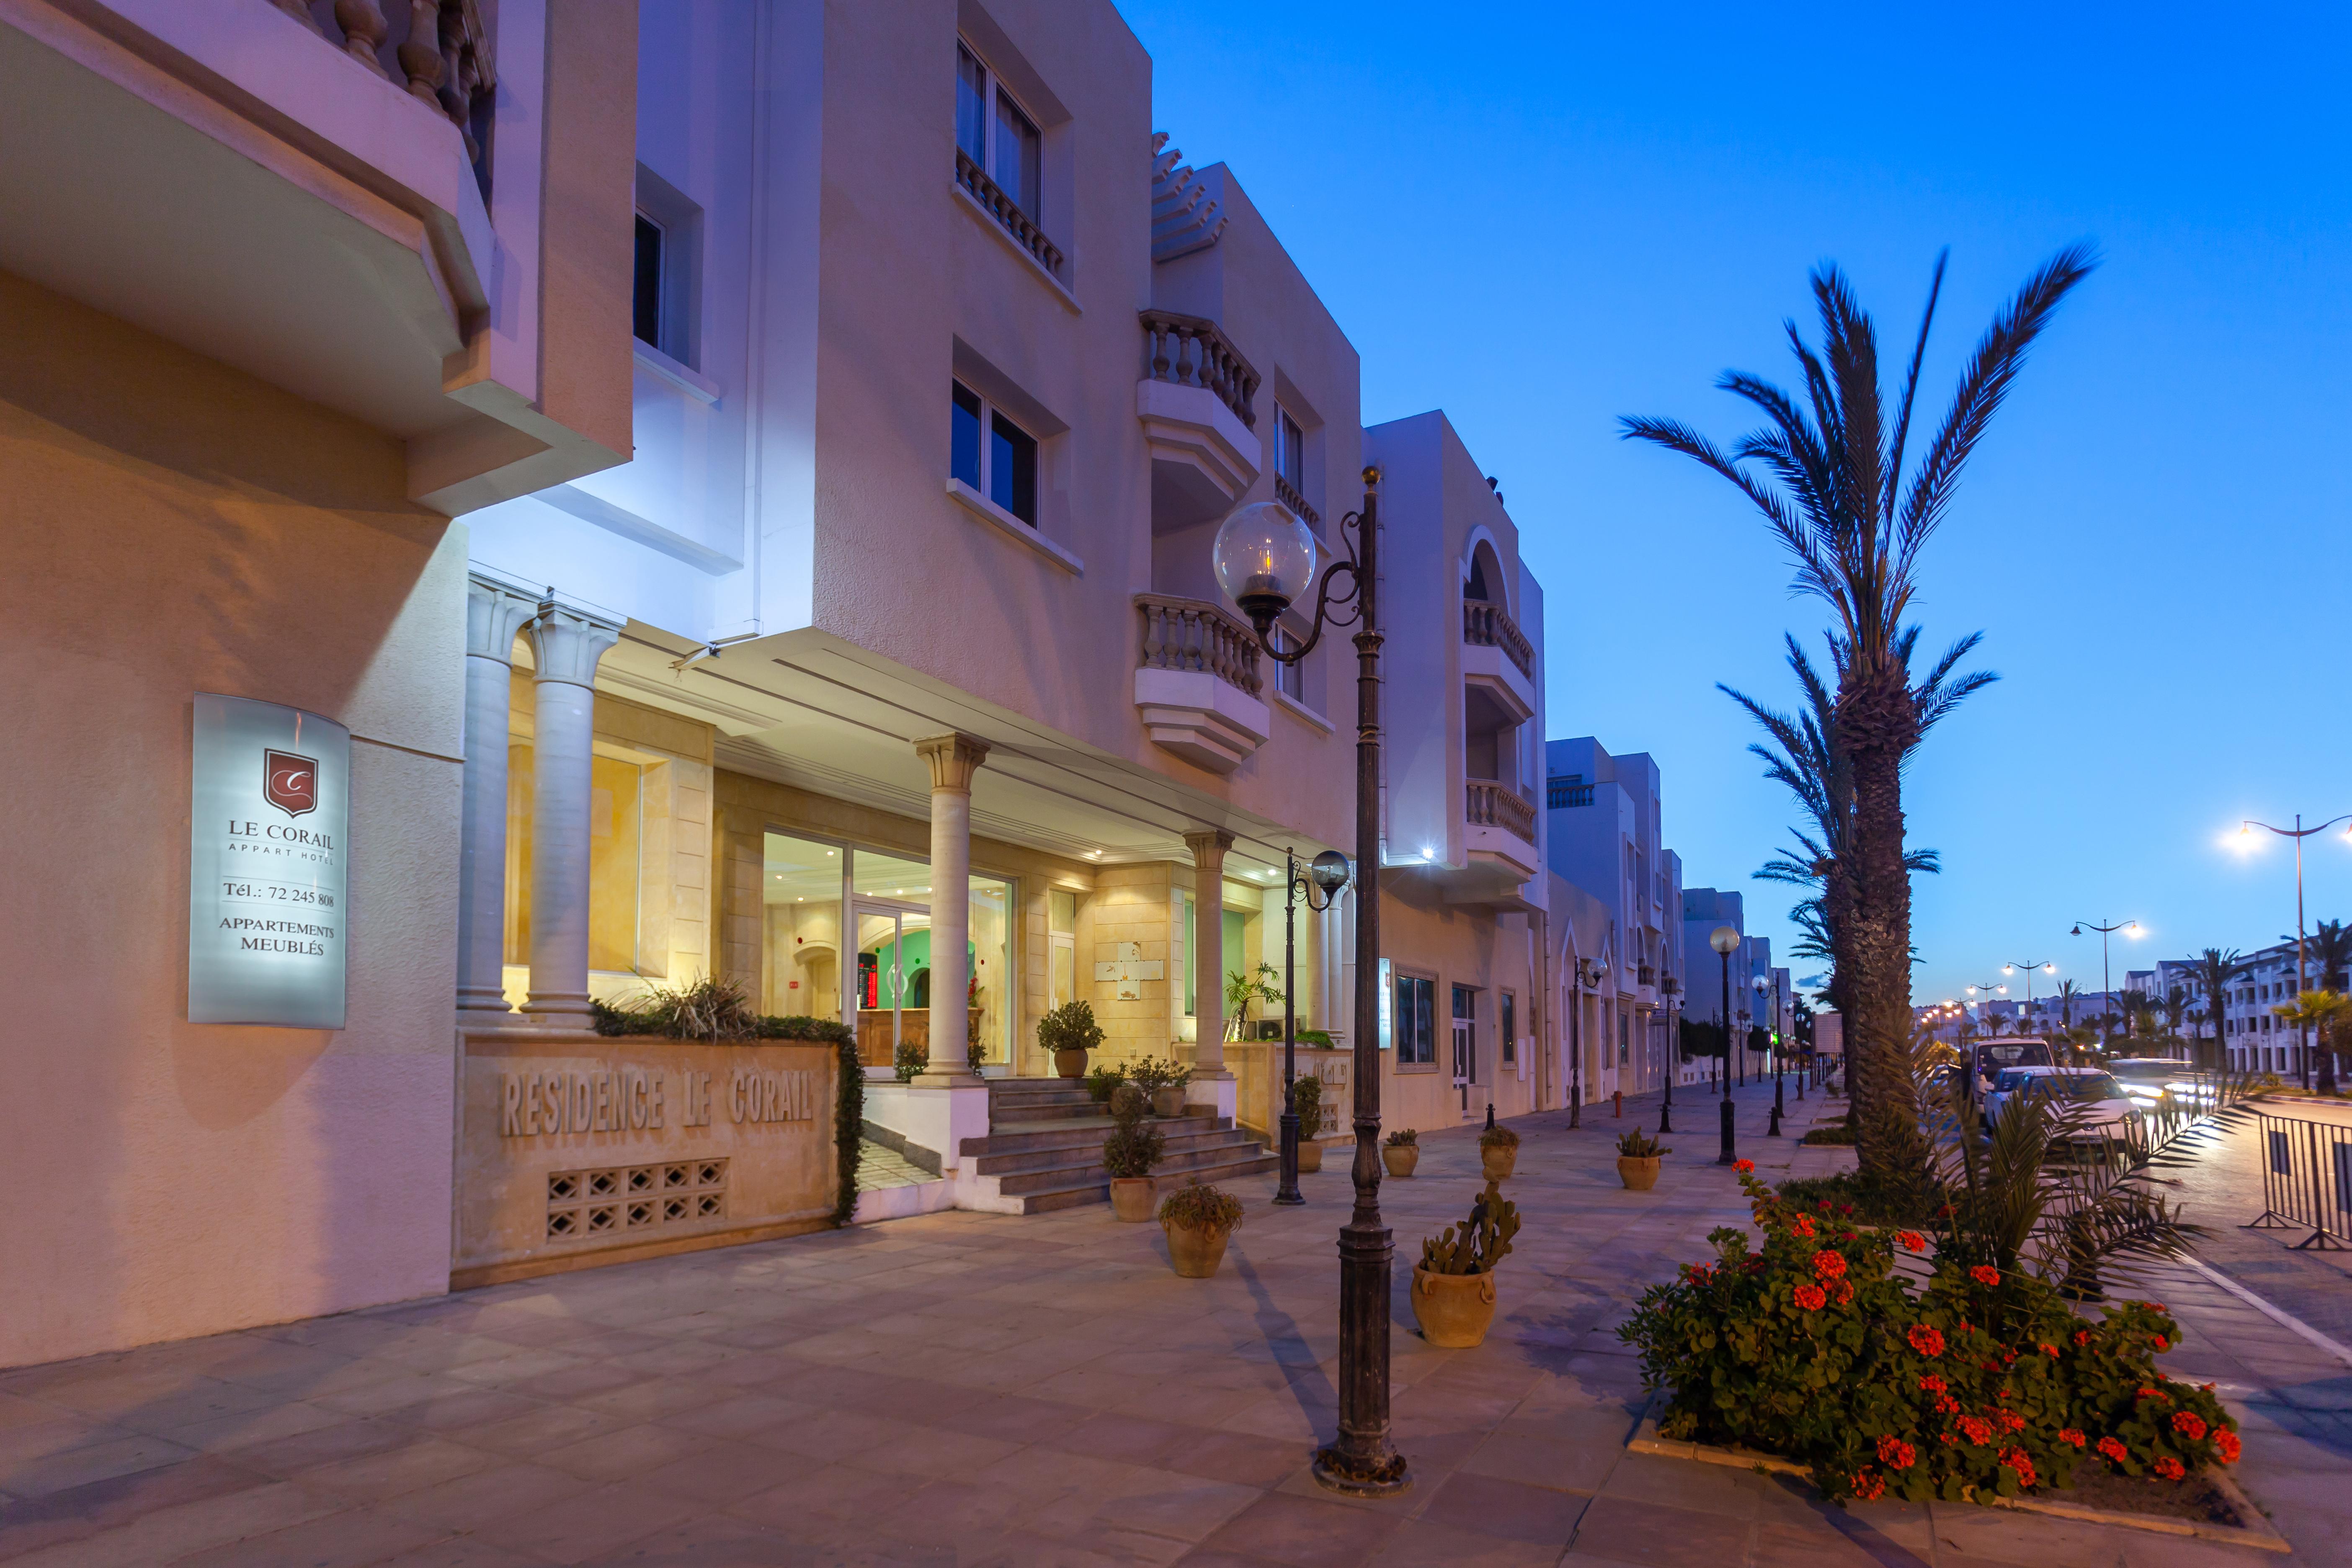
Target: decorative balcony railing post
(1193, 635)
(1190, 351)
(1486, 624)
(364, 28)
(1488, 803)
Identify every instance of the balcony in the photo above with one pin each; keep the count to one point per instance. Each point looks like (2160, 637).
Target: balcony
(1197, 404)
(303, 200)
(1287, 494)
(1498, 840)
(1007, 213)
(1197, 684)
(1497, 659)
(1645, 975)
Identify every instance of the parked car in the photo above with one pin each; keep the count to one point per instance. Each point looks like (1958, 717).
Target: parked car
(2099, 1106)
(2150, 1078)
(1981, 1060)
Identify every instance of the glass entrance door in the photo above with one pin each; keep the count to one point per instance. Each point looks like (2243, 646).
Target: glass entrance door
(893, 974)
(1465, 1043)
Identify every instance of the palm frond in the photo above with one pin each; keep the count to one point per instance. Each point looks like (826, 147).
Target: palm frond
(1911, 385)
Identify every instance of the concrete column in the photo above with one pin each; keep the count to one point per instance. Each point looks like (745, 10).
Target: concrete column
(566, 644)
(954, 759)
(494, 615)
(1211, 1084)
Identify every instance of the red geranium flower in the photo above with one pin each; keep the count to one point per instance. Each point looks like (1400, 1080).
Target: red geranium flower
(2082, 1337)
(1845, 1292)
(2170, 1468)
(2050, 1350)
(1911, 1240)
(2071, 1435)
(1812, 1297)
(1946, 1405)
(1828, 1265)
(2155, 1393)
(2189, 1423)
(1867, 1487)
(1932, 1383)
(1927, 1340)
(2225, 1443)
(1978, 1431)
(1894, 1451)
(1743, 1166)
(1984, 1275)
(2161, 1343)
(2114, 1450)
(1804, 1226)
(2022, 1463)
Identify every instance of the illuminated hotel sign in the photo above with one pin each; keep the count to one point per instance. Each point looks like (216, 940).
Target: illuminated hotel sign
(268, 850)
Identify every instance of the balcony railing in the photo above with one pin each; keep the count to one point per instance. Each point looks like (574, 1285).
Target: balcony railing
(1645, 975)
(1194, 635)
(450, 66)
(1006, 211)
(1490, 625)
(1190, 351)
(1287, 494)
(1493, 804)
(1562, 793)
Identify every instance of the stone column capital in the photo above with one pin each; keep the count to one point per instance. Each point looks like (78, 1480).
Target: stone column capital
(495, 613)
(954, 757)
(566, 643)
(1207, 846)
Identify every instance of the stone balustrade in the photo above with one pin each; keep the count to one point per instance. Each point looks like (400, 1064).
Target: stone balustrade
(1190, 351)
(1008, 212)
(443, 50)
(1490, 625)
(1488, 803)
(1194, 635)
(1287, 494)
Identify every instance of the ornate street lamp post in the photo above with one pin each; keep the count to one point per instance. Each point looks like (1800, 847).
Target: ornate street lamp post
(1264, 559)
(1772, 1034)
(2031, 966)
(1327, 875)
(2298, 832)
(1723, 940)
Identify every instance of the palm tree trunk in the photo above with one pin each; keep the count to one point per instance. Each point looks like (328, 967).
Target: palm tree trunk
(1877, 725)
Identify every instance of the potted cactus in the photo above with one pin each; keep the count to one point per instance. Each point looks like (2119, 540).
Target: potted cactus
(1164, 1081)
(1128, 1154)
(1068, 1032)
(1198, 1219)
(1454, 1283)
(1306, 1099)
(1401, 1153)
(1498, 1152)
(1637, 1160)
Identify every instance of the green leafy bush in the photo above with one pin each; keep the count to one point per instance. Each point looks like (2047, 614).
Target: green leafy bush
(1498, 1137)
(1306, 1099)
(1133, 1146)
(1983, 1383)
(907, 1061)
(1070, 1027)
(1101, 1078)
(1834, 1133)
(1195, 1206)
(1151, 1075)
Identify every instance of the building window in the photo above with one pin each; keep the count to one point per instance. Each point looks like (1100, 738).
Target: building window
(1290, 679)
(1510, 1029)
(1290, 449)
(1416, 1020)
(1004, 466)
(646, 296)
(997, 135)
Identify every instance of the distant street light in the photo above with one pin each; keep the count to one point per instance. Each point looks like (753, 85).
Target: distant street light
(2298, 832)
(1725, 940)
(2031, 966)
(2106, 986)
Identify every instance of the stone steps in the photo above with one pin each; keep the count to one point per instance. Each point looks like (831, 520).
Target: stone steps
(1043, 1150)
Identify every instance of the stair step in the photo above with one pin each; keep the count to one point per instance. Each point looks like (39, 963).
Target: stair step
(1210, 1157)
(1003, 1161)
(1086, 1133)
(1076, 1193)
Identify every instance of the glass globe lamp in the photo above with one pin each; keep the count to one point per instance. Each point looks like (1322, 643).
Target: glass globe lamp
(1264, 559)
(1329, 871)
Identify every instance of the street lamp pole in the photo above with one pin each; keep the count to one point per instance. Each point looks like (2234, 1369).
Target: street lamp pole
(2298, 832)
(1328, 875)
(1264, 559)
(1723, 939)
(2107, 976)
(1772, 1034)
(1672, 1065)
(2046, 966)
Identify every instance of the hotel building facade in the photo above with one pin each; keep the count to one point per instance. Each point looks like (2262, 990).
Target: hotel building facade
(746, 483)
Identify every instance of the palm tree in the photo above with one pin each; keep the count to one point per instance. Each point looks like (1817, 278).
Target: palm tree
(2176, 1009)
(1833, 490)
(2068, 995)
(2214, 972)
(2330, 948)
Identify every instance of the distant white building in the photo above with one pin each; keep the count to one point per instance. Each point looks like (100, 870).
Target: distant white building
(2257, 1039)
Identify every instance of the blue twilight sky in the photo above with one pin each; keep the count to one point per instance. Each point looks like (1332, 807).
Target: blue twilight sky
(1541, 216)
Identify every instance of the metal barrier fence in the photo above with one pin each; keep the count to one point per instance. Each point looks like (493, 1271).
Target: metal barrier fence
(2307, 1179)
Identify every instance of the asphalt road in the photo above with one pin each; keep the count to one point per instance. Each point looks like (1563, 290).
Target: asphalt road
(2222, 1190)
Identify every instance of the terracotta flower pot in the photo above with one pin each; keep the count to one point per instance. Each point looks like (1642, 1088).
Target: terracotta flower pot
(1167, 1102)
(1132, 1198)
(1498, 1161)
(1070, 1064)
(1454, 1311)
(1195, 1254)
(1310, 1155)
(1639, 1175)
(1400, 1158)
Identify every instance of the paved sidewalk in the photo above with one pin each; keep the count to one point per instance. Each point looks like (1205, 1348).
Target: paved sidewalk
(967, 1389)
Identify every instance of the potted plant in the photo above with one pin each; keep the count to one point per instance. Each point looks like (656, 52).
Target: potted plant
(1242, 989)
(1128, 1154)
(1101, 1078)
(1306, 1099)
(1164, 1081)
(909, 1062)
(1401, 1153)
(1637, 1160)
(1068, 1032)
(1498, 1152)
(1197, 1220)
(1454, 1283)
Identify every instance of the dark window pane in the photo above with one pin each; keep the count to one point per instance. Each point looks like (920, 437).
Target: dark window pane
(1016, 155)
(646, 299)
(1012, 468)
(963, 437)
(971, 107)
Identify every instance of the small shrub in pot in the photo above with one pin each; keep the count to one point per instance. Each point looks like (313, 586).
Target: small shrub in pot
(1307, 1100)
(1068, 1032)
(1164, 1081)
(1197, 1220)
(1637, 1160)
(1498, 1152)
(1402, 1151)
(1454, 1283)
(1101, 1078)
(1128, 1154)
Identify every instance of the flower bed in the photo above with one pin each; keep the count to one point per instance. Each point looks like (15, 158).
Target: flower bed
(1978, 1384)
